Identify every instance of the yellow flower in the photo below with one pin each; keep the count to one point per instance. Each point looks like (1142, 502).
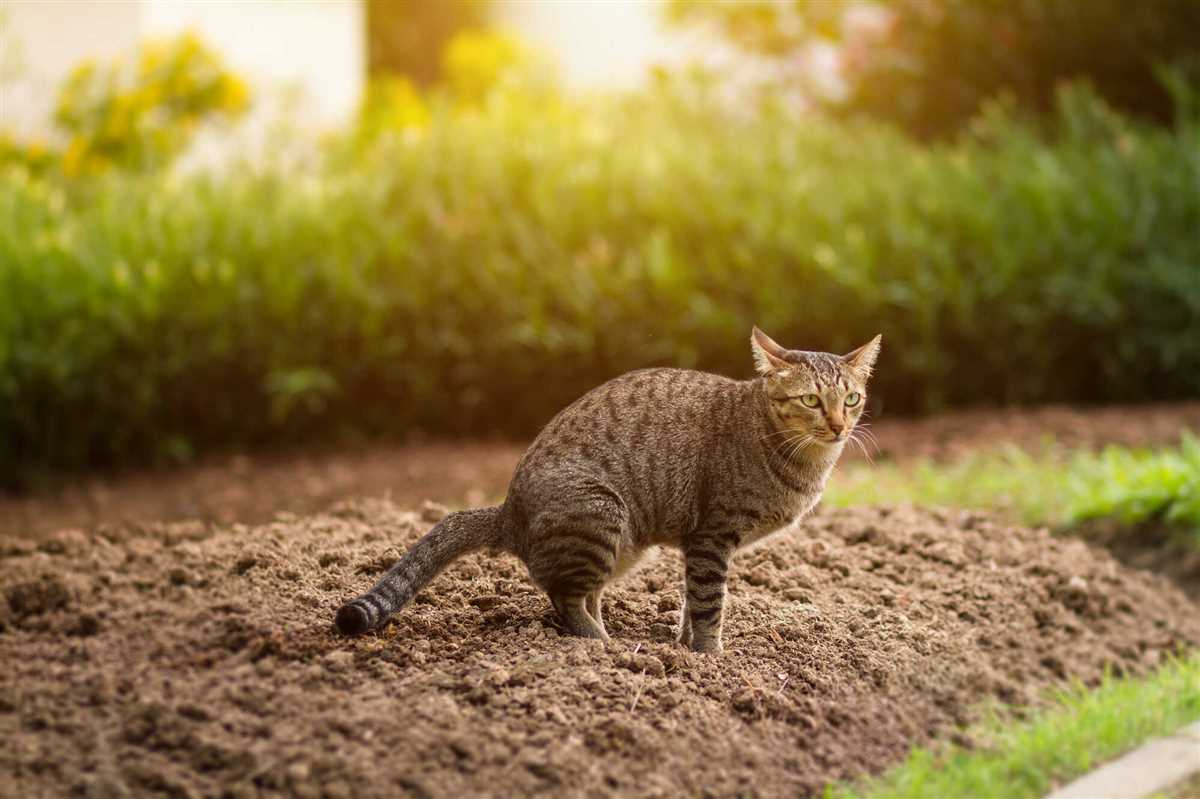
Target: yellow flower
(234, 95)
(73, 157)
(475, 62)
(153, 56)
(97, 164)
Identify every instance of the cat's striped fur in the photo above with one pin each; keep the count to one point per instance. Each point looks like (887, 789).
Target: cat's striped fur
(658, 457)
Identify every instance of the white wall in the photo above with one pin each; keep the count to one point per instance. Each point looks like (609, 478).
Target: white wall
(42, 40)
(598, 43)
(318, 46)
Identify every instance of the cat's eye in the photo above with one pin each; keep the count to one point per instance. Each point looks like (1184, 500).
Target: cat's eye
(852, 399)
(810, 401)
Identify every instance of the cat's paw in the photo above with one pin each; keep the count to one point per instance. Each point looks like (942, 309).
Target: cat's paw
(709, 646)
(684, 636)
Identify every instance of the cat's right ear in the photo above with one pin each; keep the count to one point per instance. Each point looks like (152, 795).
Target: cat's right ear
(768, 356)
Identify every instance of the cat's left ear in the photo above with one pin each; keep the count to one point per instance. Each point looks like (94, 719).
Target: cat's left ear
(862, 360)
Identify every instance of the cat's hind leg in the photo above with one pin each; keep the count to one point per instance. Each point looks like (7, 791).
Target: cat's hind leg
(573, 554)
(573, 613)
(685, 622)
(594, 608)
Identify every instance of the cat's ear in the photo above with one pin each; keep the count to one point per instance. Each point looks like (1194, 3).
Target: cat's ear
(768, 356)
(862, 360)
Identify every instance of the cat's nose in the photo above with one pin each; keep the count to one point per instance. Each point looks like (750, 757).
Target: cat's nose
(836, 429)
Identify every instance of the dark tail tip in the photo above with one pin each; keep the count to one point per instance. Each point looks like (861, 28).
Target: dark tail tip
(352, 619)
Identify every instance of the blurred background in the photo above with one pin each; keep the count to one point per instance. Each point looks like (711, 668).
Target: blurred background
(230, 226)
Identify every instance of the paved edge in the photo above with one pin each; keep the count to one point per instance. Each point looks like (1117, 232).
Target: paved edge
(1155, 766)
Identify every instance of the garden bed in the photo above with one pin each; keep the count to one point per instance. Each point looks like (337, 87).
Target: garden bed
(195, 659)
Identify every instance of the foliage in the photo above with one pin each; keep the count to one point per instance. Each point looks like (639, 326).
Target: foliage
(477, 62)
(1137, 486)
(1078, 732)
(930, 65)
(1055, 488)
(408, 37)
(478, 67)
(514, 254)
(140, 115)
(36, 155)
(391, 104)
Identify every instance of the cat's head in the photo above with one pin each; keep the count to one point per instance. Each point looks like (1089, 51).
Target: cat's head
(816, 394)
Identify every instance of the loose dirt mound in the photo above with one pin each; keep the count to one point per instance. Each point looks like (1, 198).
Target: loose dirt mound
(201, 661)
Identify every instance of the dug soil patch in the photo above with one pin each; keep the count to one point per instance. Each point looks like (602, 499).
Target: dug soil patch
(200, 660)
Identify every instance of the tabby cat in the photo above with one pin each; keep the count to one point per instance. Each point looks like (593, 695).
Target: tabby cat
(669, 457)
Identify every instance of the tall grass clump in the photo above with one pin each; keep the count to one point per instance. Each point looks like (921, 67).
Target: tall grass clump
(479, 267)
(1056, 487)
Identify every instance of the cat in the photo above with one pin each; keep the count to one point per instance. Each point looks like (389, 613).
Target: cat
(656, 457)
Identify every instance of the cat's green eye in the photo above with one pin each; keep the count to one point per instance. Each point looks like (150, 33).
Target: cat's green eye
(810, 401)
(852, 399)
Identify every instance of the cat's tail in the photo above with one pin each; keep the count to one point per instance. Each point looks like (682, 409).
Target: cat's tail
(450, 539)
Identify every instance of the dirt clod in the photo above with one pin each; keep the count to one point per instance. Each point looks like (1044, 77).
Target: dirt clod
(201, 660)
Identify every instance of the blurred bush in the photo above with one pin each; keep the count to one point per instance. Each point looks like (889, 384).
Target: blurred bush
(133, 114)
(36, 155)
(1136, 486)
(930, 65)
(480, 275)
(477, 66)
(141, 115)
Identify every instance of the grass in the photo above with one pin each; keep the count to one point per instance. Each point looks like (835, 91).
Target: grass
(1056, 488)
(1079, 731)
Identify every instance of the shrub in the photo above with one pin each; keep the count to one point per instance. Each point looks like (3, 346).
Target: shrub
(930, 65)
(480, 275)
(140, 115)
(1136, 486)
(1055, 486)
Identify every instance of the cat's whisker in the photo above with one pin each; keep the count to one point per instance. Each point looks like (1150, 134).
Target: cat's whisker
(857, 440)
(803, 443)
(785, 449)
(785, 446)
(869, 436)
(777, 433)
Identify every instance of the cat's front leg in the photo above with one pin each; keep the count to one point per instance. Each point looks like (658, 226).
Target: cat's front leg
(706, 570)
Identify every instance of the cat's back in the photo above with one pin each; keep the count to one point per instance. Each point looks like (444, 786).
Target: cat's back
(640, 407)
(646, 427)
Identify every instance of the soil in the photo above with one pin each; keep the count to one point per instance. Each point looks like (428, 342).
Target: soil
(1154, 546)
(252, 488)
(199, 659)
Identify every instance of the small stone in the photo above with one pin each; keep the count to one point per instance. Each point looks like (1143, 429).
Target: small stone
(299, 771)
(486, 601)
(433, 512)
